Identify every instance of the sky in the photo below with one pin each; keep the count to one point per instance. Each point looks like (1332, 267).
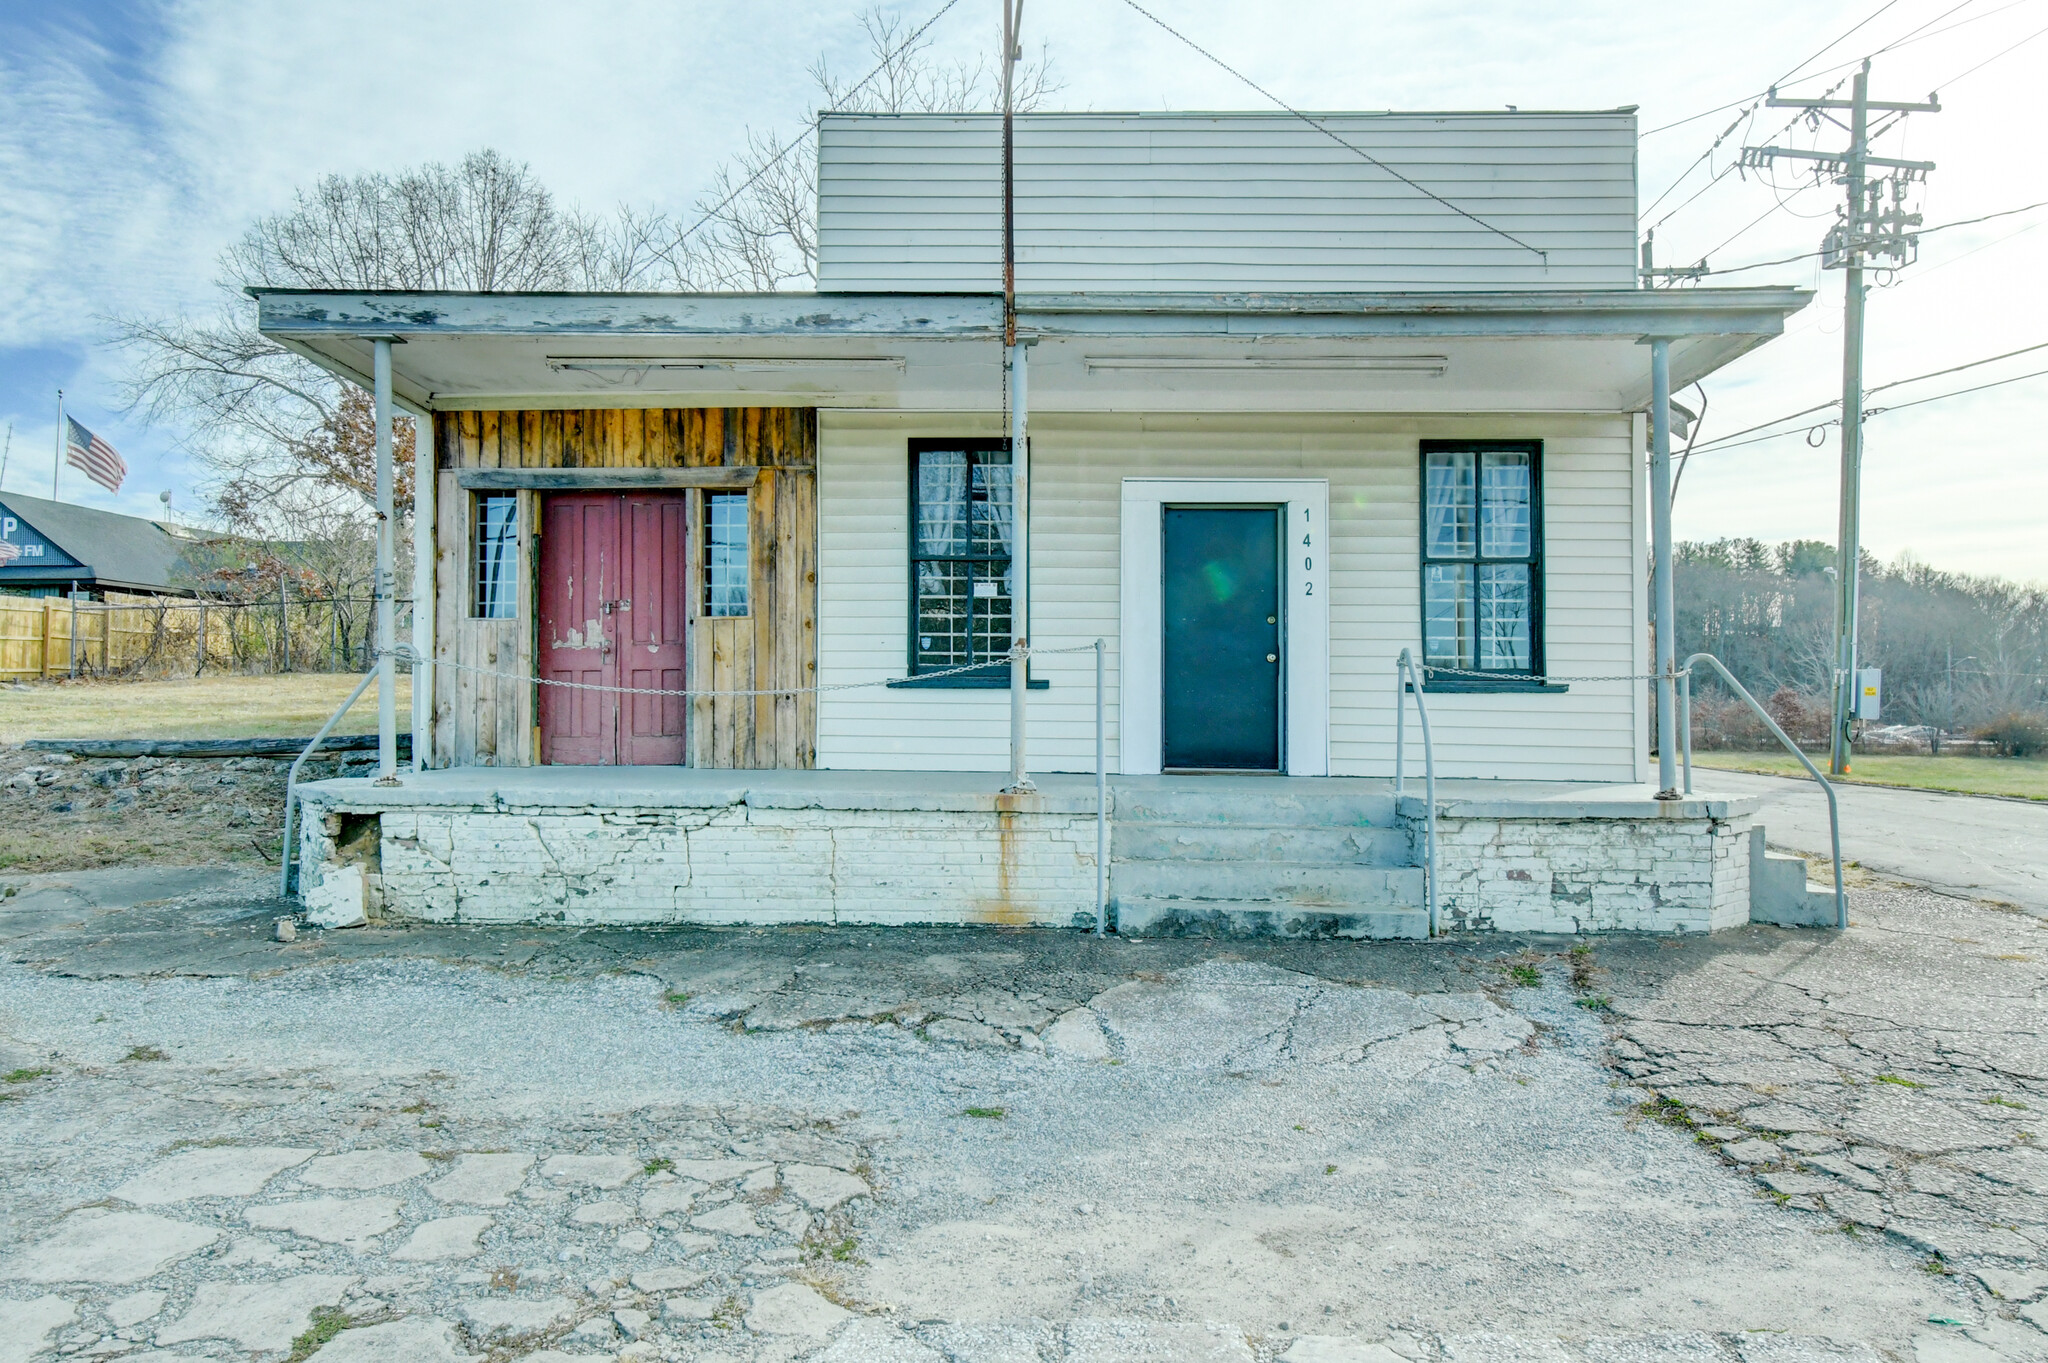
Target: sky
(137, 139)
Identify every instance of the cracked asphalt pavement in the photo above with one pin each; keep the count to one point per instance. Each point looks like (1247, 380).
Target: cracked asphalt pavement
(503, 1143)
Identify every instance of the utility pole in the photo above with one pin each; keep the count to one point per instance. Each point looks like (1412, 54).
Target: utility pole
(57, 456)
(1017, 391)
(1652, 272)
(1868, 228)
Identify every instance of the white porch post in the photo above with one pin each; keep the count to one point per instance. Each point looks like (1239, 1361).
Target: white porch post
(1020, 560)
(1660, 542)
(387, 574)
(424, 522)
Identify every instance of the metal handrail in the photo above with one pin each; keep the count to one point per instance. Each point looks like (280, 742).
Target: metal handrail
(1406, 681)
(1827, 787)
(1101, 805)
(291, 784)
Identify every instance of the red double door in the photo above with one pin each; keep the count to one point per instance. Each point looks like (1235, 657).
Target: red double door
(612, 582)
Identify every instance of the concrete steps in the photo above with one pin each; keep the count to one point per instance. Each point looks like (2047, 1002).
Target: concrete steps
(1779, 892)
(1252, 857)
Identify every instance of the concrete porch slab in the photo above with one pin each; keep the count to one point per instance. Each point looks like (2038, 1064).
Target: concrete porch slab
(1231, 854)
(555, 788)
(1569, 800)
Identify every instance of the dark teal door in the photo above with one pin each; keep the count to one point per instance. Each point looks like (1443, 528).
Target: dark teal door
(1222, 648)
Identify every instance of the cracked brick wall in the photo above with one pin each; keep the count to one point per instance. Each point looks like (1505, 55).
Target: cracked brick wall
(733, 864)
(1593, 875)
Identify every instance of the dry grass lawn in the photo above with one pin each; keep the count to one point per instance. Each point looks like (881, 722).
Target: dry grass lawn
(2025, 777)
(203, 707)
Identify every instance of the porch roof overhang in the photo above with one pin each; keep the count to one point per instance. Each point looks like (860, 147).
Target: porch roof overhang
(1122, 352)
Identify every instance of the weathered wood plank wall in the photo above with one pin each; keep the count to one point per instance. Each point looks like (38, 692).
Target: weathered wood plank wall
(484, 721)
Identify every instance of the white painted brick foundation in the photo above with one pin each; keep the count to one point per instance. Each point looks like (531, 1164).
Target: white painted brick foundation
(723, 856)
(1553, 874)
(651, 846)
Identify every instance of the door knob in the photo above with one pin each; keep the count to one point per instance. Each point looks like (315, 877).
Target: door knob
(1272, 657)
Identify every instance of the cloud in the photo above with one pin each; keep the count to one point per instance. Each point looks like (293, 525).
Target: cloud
(138, 138)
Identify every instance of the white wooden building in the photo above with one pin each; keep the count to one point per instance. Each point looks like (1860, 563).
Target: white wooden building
(1298, 396)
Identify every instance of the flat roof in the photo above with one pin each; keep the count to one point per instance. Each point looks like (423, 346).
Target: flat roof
(1093, 351)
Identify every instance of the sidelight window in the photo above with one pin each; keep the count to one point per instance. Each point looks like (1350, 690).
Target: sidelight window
(1481, 559)
(725, 553)
(961, 517)
(495, 590)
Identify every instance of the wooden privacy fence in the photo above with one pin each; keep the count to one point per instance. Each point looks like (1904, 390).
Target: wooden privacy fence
(36, 638)
(150, 636)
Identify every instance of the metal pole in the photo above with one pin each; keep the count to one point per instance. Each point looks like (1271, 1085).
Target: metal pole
(1827, 788)
(1850, 551)
(284, 623)
(1660, 540)
(1404, 668)
(1020, 564)
(57, 455)
(1400, 724)
(423, 522)
(1685, 726)
(387, 577)
(1101, 804)
(291, 788)
(74, 629)
(1020, 454)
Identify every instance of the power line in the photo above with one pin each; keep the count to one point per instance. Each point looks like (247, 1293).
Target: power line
(1993, 57)
(1957, 369)
(1723, 441)
(1910, 34)
(1919, 232)
(812, 126)
(1726, 170)
(1852, 28)
(1914, 36)
(1325, 131)
(1729, 443)
(1746, 113)
(1995, 383)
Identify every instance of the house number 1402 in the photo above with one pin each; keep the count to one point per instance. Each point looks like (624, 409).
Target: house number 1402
(1308, 562)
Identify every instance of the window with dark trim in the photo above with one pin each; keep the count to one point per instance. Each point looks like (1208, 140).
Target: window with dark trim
(494, 556)
(725, 553)
(961, 531)
(1482, 563)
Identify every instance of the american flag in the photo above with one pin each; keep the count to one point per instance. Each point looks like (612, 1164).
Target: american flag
(9, 551)
(94, 457)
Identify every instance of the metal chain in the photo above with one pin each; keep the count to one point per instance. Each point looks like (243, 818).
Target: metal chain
(1429, 670)
(407, 655)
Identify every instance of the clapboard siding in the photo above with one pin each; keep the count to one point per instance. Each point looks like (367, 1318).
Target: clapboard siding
(1594, 624)
(1229, 202)
(484, 714)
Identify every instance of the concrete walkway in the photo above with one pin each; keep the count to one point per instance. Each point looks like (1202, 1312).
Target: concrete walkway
(987, 1146)
(1960, 844)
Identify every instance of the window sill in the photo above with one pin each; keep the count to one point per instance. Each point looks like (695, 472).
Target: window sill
(1478, 686)
(963, 681)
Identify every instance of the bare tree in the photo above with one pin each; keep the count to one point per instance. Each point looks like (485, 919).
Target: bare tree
(758, 225)
(285, 440)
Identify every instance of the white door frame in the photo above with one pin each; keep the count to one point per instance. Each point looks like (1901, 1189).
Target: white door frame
(1305, 618)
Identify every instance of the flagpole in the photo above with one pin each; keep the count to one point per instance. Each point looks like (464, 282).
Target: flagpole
(57, 459)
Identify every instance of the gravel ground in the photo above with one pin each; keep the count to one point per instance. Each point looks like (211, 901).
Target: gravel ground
(997, 1145)
(64, 813)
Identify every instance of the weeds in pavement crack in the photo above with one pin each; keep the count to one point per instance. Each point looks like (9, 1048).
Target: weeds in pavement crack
(328, 1321)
